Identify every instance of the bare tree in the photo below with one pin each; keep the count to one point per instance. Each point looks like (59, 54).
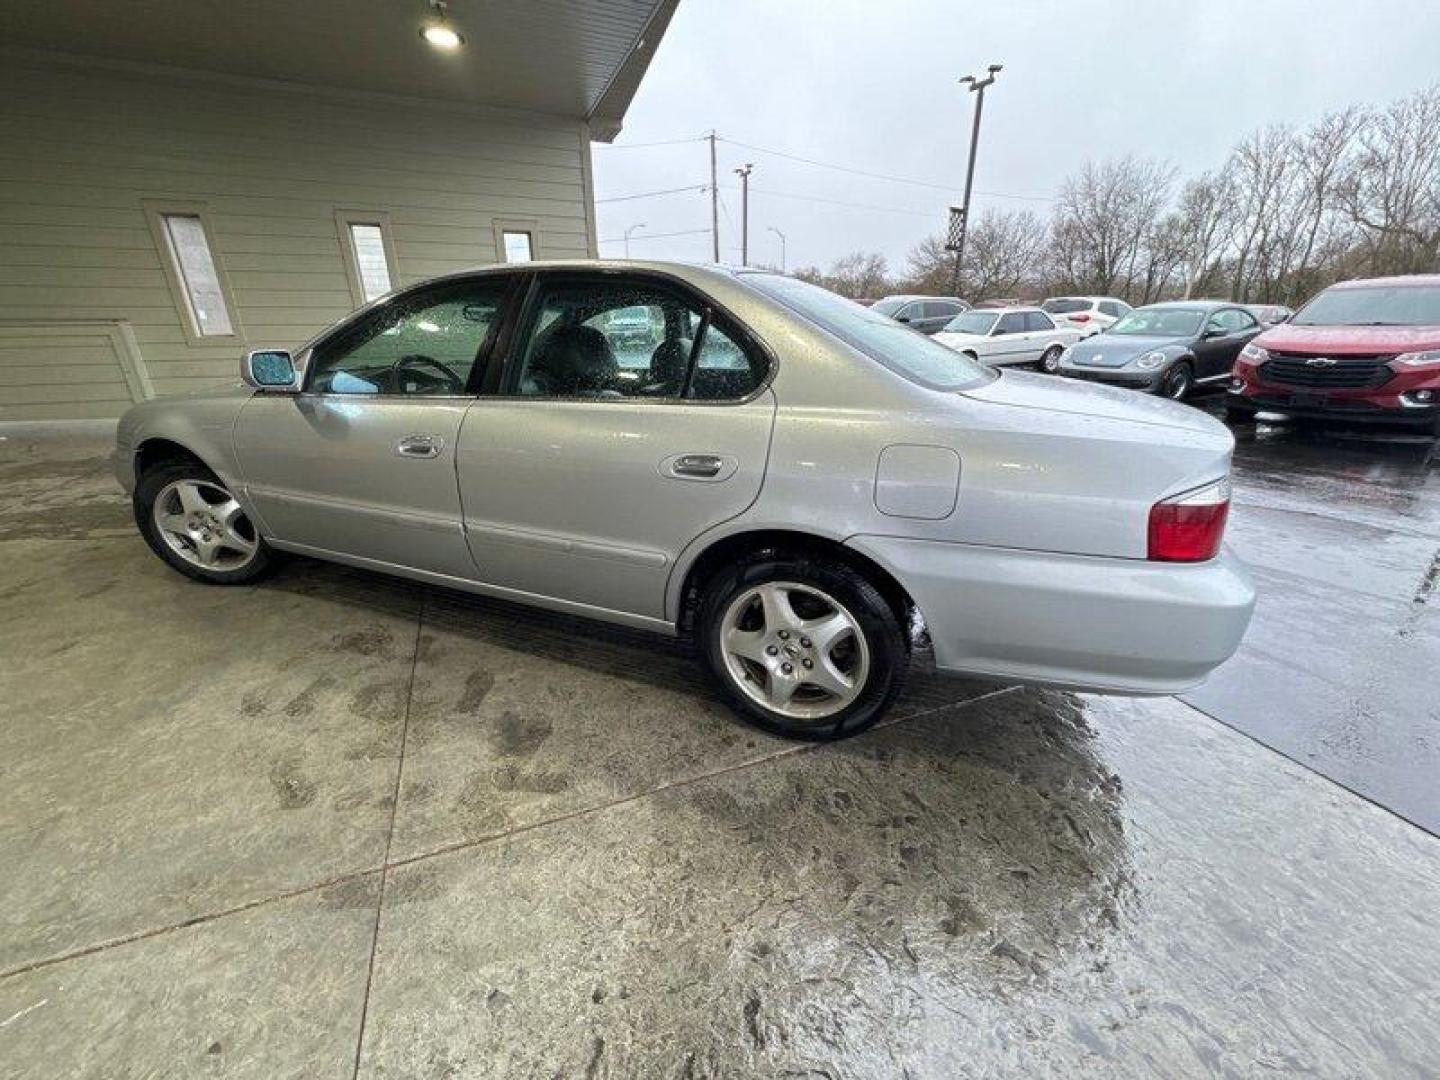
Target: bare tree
(857, 275)
(1004, 253)
(1103, 215)
(1391, 188)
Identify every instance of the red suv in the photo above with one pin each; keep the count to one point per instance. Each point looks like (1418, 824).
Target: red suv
(1364, 351)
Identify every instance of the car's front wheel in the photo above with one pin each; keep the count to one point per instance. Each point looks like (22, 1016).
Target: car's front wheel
(802, 647)
(192, 521)
(1177, 382)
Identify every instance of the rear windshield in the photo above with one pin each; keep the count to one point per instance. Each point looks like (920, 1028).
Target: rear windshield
(1373, 305)
(1064, 306)
(902, 350)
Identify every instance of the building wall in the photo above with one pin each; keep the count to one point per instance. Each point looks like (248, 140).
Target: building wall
(89, 318)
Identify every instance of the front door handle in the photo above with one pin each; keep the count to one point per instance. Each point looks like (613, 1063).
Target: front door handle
(699, 467)
(420, 446)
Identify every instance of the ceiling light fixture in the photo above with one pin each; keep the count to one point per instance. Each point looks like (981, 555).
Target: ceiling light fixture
(438, 32)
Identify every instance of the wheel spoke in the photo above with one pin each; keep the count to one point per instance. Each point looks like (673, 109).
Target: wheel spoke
(174, 523)
(207, 549)
(749, 644)
(780, 689)
(775, 601)
(830, 678)
(230, 512)
(826, 632)
(190, 497)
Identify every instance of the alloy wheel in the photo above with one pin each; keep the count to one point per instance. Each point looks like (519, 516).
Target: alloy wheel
(794, 650)
(203, 524)
(1051, 360)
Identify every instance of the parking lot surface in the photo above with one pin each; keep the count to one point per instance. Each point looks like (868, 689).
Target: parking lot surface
(342, 825)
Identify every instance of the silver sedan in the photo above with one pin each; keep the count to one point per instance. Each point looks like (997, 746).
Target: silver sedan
(800, 485)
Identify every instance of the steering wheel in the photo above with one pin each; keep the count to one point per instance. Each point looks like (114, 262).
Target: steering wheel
(448, 378)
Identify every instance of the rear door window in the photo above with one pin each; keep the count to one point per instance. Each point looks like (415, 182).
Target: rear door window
(607, 338)
(1012, 322)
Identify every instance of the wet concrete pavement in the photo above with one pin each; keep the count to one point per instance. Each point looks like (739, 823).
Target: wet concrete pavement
(1339, 669)
(338, 825)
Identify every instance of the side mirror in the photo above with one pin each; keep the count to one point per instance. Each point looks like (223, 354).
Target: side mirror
(270, 369)
(902, 318)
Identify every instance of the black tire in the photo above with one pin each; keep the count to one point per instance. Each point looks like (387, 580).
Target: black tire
(149, 487)
(884, 638)
(1239, 414)
(1050, 360)
(1177, 382)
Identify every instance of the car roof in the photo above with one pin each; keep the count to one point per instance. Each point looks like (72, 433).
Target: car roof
(1400, 280)
(1193, 305)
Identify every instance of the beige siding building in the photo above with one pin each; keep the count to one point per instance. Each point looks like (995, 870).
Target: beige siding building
(155, 221)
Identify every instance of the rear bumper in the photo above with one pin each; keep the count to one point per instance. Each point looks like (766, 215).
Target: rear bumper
(1118, 625)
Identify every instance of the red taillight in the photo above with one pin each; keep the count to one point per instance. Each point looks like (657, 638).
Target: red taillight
(1081, 317)
(1189, 527)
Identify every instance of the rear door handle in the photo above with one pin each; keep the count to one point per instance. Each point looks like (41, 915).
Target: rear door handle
(420, 446)
(699, 467)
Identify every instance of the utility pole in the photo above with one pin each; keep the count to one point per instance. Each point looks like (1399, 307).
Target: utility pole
(744, 173)
(714, 202)
(977, 87)
(781, 235)
(628, 231)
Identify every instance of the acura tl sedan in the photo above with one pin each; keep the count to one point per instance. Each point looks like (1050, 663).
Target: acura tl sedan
(802, 487)
(1167, 349)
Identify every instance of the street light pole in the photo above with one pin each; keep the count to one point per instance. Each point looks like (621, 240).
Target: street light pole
(977, 87)
(632, 228)
(781, 235)
(744, 173)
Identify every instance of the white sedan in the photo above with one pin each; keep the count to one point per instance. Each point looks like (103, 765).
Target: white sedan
(1002, 337)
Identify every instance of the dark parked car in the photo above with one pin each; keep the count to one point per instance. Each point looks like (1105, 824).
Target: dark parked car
(1166, 349)
(924, 313)
(1269, 314)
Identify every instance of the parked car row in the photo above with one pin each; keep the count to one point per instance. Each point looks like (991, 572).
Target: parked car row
(1363, 351)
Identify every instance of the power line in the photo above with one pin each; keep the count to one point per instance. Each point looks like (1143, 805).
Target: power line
(651, 194)
(655, 236)
(836, 202)
(877, 176)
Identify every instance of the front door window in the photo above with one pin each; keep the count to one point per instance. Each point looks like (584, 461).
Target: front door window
(423, 343)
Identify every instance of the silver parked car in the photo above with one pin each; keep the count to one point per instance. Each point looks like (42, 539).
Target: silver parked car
(800, 484)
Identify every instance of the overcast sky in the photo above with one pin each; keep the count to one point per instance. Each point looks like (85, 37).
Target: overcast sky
(873, 86)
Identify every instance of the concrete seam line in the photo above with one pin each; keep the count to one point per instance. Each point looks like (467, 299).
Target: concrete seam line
(1307, 768)
(460, 845)
(390, 834)
(682, 782)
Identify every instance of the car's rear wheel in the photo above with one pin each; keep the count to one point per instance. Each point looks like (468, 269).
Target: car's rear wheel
(804, 648)
(192, 521)
(1050, 359)
(1177, 381)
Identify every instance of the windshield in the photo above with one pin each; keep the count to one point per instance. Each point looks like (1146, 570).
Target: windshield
(972, 322)
(912, 355)
(1376, 305)
(1065, 305)
(1160, 322)
(889, 306)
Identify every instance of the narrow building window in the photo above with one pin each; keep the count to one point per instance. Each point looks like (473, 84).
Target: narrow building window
(367, 241)
(190, 250)
(517, 247)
